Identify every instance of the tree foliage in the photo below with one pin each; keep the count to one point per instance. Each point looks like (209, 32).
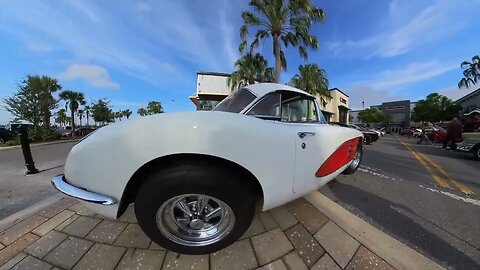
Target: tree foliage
(33, 100)
(127, 113)
(73, 99)
(286, 22)
(372, 115)
(471, 72)
(153, 107)
(312, 79)
(101, 111)
(435, 108)
(249, 69)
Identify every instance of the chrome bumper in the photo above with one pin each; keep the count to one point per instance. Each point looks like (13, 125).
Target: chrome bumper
(464, 147)
(59, 183)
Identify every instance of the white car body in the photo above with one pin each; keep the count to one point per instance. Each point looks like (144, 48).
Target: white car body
(104, 162)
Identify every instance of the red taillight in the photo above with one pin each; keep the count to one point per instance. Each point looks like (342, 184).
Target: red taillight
(340, 157)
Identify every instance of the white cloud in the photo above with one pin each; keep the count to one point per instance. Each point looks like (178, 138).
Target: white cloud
(411, 73)
(142, 39)
(384, 85)
(402, 32)
(95, 76)
(38, 47)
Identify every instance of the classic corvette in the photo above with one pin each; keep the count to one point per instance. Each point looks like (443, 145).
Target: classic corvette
(197, 178)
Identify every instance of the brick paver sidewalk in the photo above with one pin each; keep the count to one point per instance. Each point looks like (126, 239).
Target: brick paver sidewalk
(67, 235)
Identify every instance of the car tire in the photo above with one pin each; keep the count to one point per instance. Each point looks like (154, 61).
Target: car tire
(357, 160)
(163, 194)
(476, 151)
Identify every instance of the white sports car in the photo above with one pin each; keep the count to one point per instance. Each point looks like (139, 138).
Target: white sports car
(197, 178)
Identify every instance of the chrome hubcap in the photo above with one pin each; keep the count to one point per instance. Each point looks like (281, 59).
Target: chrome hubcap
(356, 159)
(195, 219)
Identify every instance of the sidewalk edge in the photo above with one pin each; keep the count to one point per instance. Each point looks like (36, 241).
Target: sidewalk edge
(38, 144)
(17, 217)
(397, 254)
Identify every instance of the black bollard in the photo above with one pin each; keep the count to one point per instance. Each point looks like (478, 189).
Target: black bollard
(27, 154)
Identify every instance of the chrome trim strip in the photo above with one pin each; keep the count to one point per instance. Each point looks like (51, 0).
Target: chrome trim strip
(59, 183)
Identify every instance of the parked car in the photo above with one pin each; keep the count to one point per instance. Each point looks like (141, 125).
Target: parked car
(470, 144)
(197, 177)
(80, 132)
(370, 135)
(5, 135)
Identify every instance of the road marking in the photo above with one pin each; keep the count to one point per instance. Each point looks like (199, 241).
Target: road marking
(463, 188)
(456, 197)
(442, 178)
(374, 172)
(438, 179)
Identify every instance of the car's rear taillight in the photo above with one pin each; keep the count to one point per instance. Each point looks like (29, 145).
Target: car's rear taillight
(340, 157)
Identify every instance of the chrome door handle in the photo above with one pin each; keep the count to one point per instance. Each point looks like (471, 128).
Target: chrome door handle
(303, 134)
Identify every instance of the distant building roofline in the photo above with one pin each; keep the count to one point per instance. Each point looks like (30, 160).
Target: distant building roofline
(338, 91)
(469, 95)
(213, 73)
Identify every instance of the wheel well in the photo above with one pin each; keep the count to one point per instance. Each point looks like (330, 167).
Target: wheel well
(138, 177)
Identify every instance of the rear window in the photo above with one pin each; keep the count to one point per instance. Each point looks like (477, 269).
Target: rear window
(236, 101)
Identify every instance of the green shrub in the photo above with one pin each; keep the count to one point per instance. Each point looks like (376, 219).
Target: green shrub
(14, 141)
(39, 134)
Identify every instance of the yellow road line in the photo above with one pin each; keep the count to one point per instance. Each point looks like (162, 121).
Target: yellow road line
(438, 179)
(460, 186)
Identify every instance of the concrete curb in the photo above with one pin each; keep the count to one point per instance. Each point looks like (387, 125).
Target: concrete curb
(38, 144)
(29, 211)
(397, 254)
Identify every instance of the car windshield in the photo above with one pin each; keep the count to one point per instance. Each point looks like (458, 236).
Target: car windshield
(236, 101)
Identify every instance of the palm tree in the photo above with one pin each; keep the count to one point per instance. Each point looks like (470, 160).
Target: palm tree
(74, 99)
(312, 79)
(80, 114)
(61, 117)
(471, 72)
(250, 69)
(45, 86)
(142, 112)
(127, 113)
(87, 112)
(118, 115)
(286, 22)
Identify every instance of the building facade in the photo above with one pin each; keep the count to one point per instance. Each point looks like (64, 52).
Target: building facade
(335, 108)
(212, 88)
(470, 101)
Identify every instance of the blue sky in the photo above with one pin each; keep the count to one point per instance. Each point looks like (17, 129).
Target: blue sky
(132, 52)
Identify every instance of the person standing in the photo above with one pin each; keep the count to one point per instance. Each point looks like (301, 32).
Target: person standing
(454, 131)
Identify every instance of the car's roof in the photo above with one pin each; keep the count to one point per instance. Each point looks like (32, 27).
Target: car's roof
(261, 89)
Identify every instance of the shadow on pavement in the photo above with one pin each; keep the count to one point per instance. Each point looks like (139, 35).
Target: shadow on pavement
(401, 226)
(52, 168)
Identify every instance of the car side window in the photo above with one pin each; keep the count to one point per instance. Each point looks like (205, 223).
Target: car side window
(268, 107)
(299, 110)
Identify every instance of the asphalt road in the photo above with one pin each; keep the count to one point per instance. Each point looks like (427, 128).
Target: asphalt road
(426, 197)
(18, 191)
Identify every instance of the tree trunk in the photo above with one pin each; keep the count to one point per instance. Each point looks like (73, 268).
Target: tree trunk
(278, 60)
(87, 118)
(73, 121)
(46, 119)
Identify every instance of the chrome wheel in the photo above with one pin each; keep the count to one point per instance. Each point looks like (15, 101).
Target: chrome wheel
(195, 219)
(356, 159)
